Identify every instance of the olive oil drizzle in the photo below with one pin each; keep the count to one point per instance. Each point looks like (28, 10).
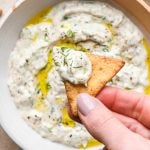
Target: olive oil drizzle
(147, 48)
(40, 17)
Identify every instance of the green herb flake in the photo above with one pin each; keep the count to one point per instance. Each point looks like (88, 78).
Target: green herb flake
(105, 49)
(64, 48)
(70, 34)
(38, 91)
(52, 110)
(26, 65)
(84, 70)
(103, 18)
(77, 67)
(50, 129)
(65, 17)
(62, 26)
(128, 88)
(57, 64)
(48, 86)
(83, 49)
(46, 37)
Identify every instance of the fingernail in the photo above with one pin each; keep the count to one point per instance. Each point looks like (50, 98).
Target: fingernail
(85, 104)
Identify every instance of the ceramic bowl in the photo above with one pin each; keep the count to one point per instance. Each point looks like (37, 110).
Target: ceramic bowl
(10, 29)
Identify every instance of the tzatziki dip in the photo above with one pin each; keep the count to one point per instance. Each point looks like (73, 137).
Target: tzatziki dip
(51, 49)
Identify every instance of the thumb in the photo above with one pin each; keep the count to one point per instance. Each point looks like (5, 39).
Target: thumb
(101, 123)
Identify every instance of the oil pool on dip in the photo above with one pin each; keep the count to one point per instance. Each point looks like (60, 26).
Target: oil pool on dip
(110, 36)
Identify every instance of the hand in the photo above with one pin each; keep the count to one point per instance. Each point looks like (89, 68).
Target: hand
(120, 119)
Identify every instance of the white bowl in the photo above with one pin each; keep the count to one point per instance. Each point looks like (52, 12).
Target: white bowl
(10, 119)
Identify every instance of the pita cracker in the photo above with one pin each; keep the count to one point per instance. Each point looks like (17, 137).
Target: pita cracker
(103, 70)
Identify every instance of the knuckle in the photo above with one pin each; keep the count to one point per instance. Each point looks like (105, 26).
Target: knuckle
(97, 122)
(133, 127)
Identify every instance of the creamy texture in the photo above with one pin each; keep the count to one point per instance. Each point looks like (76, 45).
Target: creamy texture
(36, 82)
(73, 66)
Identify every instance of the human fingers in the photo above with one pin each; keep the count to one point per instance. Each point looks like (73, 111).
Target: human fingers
(101, 123)
(133, 125)
(130, 123)
(132, 104)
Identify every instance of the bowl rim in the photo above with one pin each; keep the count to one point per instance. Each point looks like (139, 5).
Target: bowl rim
(2, 124)
(4, 18)
(10, 11)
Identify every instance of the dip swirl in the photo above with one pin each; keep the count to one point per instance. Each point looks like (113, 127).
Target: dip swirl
(73, 66)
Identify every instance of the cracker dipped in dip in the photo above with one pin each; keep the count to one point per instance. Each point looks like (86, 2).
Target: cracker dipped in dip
(51, 49)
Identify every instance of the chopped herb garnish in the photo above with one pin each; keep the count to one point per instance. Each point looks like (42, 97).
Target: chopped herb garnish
(63, 48)
(57, 64)
(70, 34)
(48, 86)
(26, 64)
(38, 91)
(50, 129)
(83, 49)
(46, 37)
(59, 100)
(52, 109)
(62, 26)
(27, 60)
(105, 49)
(65, 17)
(103, 18)
(84, 70)
(71, 63)
(77, 67)
(70, 135)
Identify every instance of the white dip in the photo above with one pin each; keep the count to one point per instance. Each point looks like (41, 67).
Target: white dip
(49, 52)
(73, 66)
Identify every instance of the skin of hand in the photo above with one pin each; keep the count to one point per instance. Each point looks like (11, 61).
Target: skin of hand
(118, 118)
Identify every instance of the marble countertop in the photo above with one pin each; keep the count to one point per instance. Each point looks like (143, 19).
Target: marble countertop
(5, 142)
